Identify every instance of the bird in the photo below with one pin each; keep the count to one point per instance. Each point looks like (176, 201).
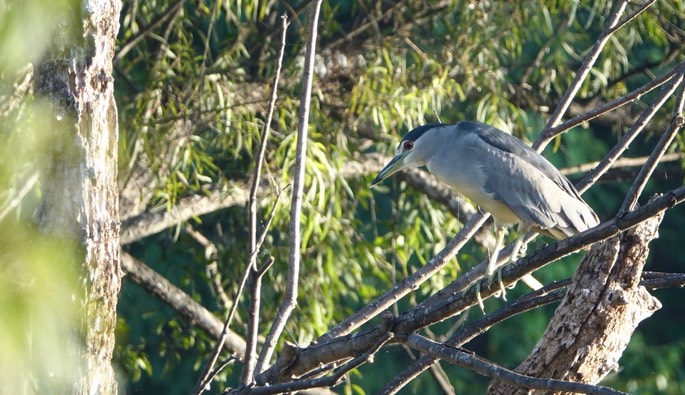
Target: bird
(499, 173)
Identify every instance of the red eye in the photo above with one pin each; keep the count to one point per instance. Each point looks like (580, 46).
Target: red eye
(408, 145)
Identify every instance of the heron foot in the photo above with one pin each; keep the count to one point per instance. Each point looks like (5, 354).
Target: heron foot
(479, 298)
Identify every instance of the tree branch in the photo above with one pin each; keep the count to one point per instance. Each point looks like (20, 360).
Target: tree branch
(290, 297)
(253, 316)
(548, 294)
(551, 293)
(489, 369)
(449, 302)
(205, 378)
(599, 110)
(622, 162)
(408, 284)
(634, 130)
(327, 381)
(664, 142)
(582, 73)
(594, 323)
(158, 286)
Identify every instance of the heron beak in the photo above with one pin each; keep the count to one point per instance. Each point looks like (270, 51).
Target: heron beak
(395, 165)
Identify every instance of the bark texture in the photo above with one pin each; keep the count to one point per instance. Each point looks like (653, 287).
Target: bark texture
(596, 319)
(79, 177)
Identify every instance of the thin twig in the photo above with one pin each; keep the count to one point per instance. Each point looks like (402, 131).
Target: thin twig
(410, 283)
(664, 142)
(23, 191)
(253, 320)
(253, 316)
(634, 130)
(632, 16)
(489, 369)
(202, 383)
(614, 104)
(221, 366)
(549, 294)
(290, 297)
(622, 162)
(327, 381)
(582, 74)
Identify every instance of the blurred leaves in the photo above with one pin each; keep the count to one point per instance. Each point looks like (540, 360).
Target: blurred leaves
(39, 272)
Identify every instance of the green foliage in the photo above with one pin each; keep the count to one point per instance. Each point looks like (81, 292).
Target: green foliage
(38, 279)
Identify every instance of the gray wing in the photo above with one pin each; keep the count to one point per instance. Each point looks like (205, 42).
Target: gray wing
(508, 143)
(532, 188)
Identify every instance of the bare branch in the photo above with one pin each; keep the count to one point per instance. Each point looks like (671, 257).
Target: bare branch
(154, 221)
(408, 284)
(253, 320)
(290, 297)
(205, 378)
(657, 280)
(614, 104)
(253, 316)
(658, 152)
(632, 16)
(582, 73)
(637, 127)
(221, 366)
(549, 294)
(160, 287)
(622, 162)
(489, 369)
(327, 381)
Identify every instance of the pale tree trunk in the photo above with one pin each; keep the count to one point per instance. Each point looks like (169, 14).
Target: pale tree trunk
(596, 319)
(79, 181)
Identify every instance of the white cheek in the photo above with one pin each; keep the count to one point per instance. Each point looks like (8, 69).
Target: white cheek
(413, 158)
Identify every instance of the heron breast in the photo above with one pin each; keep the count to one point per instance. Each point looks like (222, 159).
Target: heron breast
(472, 186)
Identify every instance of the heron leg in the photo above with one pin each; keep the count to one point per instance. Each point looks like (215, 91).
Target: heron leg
(519, 245)
(500, 231)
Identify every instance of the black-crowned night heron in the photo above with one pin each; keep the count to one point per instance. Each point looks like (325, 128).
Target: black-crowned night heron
(501, 174)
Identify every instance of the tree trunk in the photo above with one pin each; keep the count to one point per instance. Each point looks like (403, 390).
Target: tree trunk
(79, 182)
(596, 319)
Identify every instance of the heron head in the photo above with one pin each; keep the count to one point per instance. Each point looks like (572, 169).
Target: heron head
(411, 152)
